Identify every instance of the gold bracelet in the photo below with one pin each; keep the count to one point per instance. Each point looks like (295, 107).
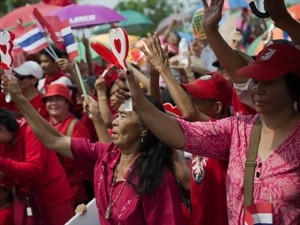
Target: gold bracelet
(103, 97)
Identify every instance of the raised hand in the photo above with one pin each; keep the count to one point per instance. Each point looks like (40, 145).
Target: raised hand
(276, 10)
(91, 108)
(133, 91)
(154, 52)
(10, 86)
(212, 13)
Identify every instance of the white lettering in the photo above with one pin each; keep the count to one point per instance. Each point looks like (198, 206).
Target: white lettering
(82, 19)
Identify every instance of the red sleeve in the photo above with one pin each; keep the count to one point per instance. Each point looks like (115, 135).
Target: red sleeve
(164, 207)
(31, 167)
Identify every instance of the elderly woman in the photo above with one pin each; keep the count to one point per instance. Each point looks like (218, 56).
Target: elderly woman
(133, 180)
(275, 88)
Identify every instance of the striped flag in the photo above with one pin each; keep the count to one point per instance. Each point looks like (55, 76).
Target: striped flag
(259, 214)
(31, 40)
(69, 42)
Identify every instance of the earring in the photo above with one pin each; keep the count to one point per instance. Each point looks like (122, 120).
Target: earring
(142, 140)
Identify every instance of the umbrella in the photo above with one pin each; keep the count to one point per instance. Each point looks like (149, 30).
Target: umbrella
(134, 23)
(24, 14)
(295, 11)
(83, 16)
(257, 45)
(231, 4)
(180, 17)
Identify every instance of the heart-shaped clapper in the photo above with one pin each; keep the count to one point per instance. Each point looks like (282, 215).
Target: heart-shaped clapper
(119, 44)
(6, 60)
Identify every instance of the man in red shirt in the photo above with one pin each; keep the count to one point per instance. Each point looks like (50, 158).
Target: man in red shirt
(52, 72)
(34, 169)
(28, 74)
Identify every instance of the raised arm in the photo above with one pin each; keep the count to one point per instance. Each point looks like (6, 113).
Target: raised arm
(283, 19)
(229, 59)
(158, 122)
(158, 57)
(91, 107)
(47, 134)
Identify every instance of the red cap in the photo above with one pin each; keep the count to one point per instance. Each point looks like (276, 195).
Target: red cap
(272, 62)
(57, 90)
(211, 86)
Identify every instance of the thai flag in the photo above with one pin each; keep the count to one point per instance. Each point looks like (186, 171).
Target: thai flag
(31, 40)
(259, 214)
(70, 44)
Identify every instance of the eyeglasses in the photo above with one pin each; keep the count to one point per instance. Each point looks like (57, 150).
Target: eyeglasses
(21, 78)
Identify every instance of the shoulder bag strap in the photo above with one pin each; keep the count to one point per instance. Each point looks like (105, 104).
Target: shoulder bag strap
(71, 127)
(250, 163)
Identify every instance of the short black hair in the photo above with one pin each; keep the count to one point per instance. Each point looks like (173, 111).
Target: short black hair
(293, 82)
(9, 119)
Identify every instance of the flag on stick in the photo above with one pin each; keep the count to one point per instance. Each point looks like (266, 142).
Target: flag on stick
(31, 40)
(69, 42)
(259, 214)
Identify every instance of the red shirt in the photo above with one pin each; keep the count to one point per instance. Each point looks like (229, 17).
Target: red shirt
(208, 191)
(240, 108)
(160, 207)
(38, 104)
(37, 165)
(74, 176)
(6, 215)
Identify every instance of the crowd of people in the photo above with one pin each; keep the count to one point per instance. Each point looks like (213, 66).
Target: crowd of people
(182, 156)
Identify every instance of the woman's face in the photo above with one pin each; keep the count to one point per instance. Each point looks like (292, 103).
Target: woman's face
(127, 128)
(57, 106)
(270, 97)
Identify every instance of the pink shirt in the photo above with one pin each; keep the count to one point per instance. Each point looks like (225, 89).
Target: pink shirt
(278, 177)
(159, 207)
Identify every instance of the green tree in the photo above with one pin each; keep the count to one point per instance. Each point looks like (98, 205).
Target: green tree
(156, 10)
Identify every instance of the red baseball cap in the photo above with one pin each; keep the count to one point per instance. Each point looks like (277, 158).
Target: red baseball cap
(211, 86)
(272, 62)
(57, 90)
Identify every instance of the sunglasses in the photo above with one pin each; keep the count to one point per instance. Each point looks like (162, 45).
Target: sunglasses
(23, 77)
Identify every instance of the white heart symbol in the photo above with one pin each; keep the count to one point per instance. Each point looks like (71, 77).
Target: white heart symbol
(119, 43)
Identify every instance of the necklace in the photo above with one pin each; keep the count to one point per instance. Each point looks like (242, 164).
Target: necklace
(112, 202)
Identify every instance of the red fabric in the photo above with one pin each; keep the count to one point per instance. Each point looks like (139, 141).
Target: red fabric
(89, 123)
(50, 79)
(209, 196)
(38, 104)
(6, 215)
(36, 164)
(211, 86)
(59, 2)
(272, 62)
(74, 176)
(159, 207)
(60, 214)
(3, 103)
(239, 108)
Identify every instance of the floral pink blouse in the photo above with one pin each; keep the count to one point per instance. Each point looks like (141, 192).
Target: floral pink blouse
(276, 178)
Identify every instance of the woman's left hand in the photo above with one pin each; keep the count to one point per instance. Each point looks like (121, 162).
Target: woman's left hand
(133, 91)
(154, 52)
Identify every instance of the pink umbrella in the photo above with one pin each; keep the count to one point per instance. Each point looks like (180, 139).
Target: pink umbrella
(82, 16)
(24, 14)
